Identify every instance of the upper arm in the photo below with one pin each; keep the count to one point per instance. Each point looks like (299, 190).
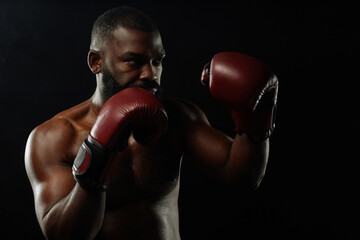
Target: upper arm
(208, 147)
(226, 159)
(46, 164)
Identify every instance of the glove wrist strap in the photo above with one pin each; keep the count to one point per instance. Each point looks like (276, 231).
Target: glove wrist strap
(89, 165)
(257, 126)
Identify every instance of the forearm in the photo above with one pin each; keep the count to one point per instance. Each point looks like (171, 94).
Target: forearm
(238, 161)
(247, 161)
(249, 88)
(79, 215)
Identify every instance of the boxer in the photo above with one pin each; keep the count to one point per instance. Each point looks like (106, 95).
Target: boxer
(109, 167)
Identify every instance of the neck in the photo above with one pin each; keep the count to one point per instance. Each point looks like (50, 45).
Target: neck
(97, 101)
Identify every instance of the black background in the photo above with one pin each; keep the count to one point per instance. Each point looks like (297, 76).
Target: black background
(310, 186)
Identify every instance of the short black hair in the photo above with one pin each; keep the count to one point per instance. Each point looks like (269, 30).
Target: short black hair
(124, 16)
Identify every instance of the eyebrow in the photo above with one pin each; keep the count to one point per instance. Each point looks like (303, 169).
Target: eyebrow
(133, 54)
(161, 54)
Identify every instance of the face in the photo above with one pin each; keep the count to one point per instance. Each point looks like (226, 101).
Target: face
(132, 59)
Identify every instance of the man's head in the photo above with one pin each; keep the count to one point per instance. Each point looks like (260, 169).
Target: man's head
(125, 51)
(109, 21)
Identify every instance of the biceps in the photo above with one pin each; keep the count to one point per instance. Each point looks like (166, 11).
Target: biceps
(54, 186)
(207, 146)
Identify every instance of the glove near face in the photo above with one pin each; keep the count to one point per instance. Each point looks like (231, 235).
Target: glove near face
(248, 87)
(132, 110)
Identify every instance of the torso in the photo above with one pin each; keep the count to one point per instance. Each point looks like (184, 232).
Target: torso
(141, 199)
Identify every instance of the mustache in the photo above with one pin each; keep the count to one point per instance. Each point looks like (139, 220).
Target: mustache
(153, 86)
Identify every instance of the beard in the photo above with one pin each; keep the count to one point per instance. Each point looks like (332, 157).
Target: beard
(111, 86)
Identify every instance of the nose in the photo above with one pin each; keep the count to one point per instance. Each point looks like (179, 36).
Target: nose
(148, 73)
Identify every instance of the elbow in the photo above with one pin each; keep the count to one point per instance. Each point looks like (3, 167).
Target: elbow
(48, 228)
(53, 234)
(55, 230)
(255, 183)
(247, 184)
(248, 179)
(256, 177)
(51, 228)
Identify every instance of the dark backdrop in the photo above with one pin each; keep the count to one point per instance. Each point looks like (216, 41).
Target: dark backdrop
(310, 186)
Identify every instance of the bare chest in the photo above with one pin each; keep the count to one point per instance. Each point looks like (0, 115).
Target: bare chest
(143, 172)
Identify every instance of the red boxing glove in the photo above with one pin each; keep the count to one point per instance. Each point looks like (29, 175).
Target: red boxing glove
(248, 87)
(131, 110)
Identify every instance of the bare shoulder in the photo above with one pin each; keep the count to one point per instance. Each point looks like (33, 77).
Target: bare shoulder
(61, 130)
(55, 141)
(55, 131)
(185, 110)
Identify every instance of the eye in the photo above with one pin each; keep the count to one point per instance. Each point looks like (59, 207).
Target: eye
(157, 62)
(132, 62)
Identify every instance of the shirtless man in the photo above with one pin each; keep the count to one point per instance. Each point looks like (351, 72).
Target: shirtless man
(109, 167)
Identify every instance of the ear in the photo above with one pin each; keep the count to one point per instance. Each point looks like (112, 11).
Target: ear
(95, 61)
